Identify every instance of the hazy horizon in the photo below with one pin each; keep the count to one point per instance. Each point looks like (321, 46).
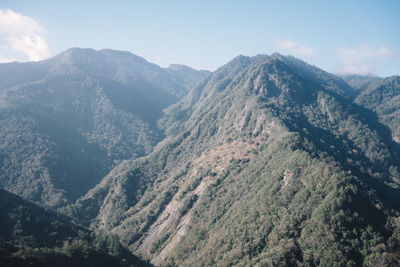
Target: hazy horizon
(340, 37)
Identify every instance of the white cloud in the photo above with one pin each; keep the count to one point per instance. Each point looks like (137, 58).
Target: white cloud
(294, 48)
(21, 38)
(362, 59)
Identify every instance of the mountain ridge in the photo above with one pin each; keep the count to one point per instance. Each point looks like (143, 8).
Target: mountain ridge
(266, 161)
(75, 117)
(251, 128)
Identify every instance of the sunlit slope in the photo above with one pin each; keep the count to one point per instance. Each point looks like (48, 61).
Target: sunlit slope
(267, 161)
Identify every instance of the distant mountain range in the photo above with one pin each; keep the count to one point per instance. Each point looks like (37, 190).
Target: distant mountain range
(268, 161)
(68, 120)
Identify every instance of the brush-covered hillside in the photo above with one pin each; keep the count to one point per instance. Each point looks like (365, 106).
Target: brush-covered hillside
(266, 162)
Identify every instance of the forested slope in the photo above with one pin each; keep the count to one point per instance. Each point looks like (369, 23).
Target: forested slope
(67, 121)
(268, 161)
(33, 236)
(383, 97)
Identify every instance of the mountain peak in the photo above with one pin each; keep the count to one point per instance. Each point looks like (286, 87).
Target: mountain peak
(74, 52)
(178, 67)
(88, 56)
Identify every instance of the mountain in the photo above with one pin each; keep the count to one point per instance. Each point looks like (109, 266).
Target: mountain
(67, 121)
(33, 236)
(360, 82)
(383, 97)
(187, 76)
(266, 162)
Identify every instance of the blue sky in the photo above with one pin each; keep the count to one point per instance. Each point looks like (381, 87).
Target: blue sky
(339, 36)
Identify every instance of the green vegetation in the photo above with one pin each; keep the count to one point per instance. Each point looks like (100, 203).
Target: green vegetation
(67, 121)
(32, 236)
(268, 162)
(383, 97)
(359, 82)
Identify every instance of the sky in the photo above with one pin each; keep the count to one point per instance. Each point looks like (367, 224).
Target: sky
(344, 37)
